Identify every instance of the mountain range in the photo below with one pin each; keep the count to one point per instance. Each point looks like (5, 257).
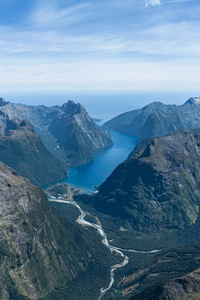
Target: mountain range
(157, 119)
(41, 143)
(67, 131)
(154, 192)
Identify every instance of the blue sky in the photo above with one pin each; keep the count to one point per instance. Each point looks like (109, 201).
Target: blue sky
(95, 46)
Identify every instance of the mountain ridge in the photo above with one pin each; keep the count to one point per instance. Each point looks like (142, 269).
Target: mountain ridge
(157, 119)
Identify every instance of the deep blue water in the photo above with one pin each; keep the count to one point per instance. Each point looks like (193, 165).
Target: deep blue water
(95, 173)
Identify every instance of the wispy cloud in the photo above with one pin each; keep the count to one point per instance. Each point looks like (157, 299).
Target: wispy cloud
(179, 40)
(152, 2)
(98, 45)
(50, 16)
(159, 2)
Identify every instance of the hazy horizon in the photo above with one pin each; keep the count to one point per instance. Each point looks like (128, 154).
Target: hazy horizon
(102, 105)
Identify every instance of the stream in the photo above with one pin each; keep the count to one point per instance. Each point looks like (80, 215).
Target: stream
(80, 220)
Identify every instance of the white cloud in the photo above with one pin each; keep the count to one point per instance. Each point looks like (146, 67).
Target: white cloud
(158, 2)
(152, 2)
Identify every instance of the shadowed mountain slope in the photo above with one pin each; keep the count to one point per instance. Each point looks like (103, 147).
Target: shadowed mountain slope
(22, 149)
(38, 250)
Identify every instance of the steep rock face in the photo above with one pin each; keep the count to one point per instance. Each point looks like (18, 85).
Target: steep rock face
(38, 249)
(80, 136)
(158, 186)
(67, 131)
(22, 149)
(157, 119)
(9, 117)
(187, 287)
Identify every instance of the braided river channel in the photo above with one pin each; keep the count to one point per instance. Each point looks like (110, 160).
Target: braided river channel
(80, 220)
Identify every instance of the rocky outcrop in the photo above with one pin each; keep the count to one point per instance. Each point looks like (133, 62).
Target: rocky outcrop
(67, 131)
(22, 149)
(9, 117)
(158, 186)
(187, 287)
(38, 249)
(157, 119)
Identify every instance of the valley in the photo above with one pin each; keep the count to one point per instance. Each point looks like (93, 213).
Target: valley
(175, 247)
(68, 199)
(135, 206)
(121, 233)
(99, 150)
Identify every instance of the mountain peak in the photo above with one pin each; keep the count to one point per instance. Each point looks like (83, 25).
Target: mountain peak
(3, 102)
(155, 104)
(25, 125)
(194, 100)
(71, 107)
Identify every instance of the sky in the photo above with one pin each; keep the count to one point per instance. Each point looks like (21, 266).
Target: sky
(99, 46)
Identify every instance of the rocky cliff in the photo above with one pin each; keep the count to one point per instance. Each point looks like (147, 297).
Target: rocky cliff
(157, 119)
(9, 117)
(67, 131)
(38, 250)
(158, 186)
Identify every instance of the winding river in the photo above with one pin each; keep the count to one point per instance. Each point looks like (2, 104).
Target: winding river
(80, 220)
